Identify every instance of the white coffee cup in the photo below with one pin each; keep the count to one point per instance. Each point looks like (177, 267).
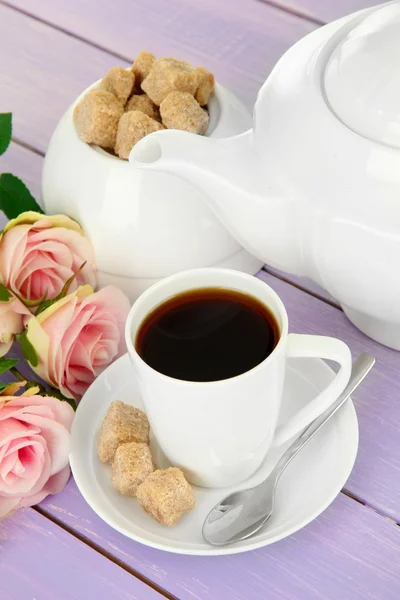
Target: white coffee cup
(219, 432)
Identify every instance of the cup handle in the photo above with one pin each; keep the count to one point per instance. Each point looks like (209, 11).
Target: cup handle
(315, 346)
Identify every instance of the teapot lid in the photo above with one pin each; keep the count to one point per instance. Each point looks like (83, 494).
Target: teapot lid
(362, 77)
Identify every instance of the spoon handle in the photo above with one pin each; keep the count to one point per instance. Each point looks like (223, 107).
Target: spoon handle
(360, 370)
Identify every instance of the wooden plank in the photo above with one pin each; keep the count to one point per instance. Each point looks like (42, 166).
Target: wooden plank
(39, 560)
(323, 10)
(240, 45)
(376, 475)
(349, 552)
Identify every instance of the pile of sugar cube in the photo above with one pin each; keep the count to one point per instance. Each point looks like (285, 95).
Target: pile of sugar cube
(154, 94)
(124, 441)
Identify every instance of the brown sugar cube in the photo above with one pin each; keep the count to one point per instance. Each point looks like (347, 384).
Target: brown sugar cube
(132, 127)
(205, 85)
(96, 118)
(142, 66)
(180, 110)
(166, 495)
(143, 103)
(122, 423)
(118, 81)
(131, 465)
(168, 75)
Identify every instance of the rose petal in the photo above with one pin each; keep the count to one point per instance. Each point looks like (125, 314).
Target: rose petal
(12, 249)
(35, 471)
(11, 429)
(54, 485)
(46, 406)
(39, 254)
(56, 437)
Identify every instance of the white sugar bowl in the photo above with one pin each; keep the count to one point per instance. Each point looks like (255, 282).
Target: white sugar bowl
(143, 226)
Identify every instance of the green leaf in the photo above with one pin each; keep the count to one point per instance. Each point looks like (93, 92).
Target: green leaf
(67, 284)
(28, 350)
(5, 294)
(7, 363)
(31, 303)
(62, 294)
(5, 131)
(15, 198)
(44, 305)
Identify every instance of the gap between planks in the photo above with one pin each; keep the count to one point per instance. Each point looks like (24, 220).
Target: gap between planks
(104, 553)
(293, 11)
(146, 580)
(66, 31)
(301, 288)
(375, 510)
(25, 145)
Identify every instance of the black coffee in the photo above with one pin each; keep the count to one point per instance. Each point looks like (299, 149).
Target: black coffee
(207, 335)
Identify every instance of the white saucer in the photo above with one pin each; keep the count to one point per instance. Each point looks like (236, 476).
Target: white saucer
(309, 485)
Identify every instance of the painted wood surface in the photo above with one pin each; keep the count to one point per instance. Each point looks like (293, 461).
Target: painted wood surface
(44, 72)
(348, 553)
(324, 10)
(41, 561)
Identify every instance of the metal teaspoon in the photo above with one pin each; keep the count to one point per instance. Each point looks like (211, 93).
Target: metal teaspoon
(243, 513)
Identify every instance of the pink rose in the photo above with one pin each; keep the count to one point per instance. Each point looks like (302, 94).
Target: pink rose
(12, 315)
(34, 448)
(39, 253)
(77, 337)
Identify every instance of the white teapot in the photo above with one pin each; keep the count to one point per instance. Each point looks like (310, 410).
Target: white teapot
(314, 187)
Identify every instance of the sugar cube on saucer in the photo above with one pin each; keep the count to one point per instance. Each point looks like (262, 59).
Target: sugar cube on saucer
(166, 495)
(131, 465)
(122, 423)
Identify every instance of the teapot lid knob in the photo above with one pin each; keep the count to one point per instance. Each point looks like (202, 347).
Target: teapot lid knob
(362, 77)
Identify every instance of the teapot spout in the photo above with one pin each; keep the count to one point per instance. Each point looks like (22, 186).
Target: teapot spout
(225, 170)
(239, 185)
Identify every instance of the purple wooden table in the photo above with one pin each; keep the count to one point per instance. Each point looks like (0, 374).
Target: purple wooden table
(50, 50)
